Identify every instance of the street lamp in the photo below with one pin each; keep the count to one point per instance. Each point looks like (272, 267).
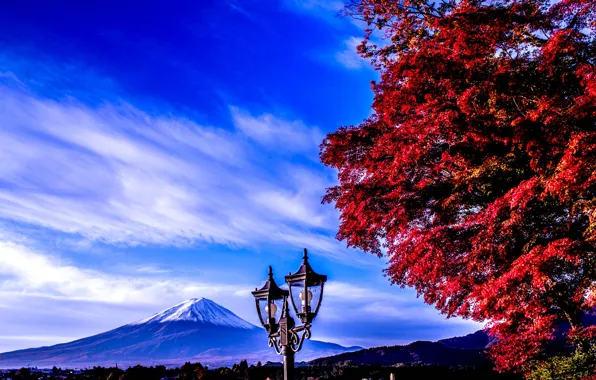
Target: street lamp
(306, 290)
(306, 294)
(270, 300)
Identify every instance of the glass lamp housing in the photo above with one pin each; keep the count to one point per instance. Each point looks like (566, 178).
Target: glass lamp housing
(306, 290)
(269, 302)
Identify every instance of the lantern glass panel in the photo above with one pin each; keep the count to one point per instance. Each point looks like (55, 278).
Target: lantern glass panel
(276, 309)
(315, 293)
(263, 310)
(297, 288)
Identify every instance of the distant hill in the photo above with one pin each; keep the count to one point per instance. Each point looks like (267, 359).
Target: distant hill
(194, 330)
(468, 350)
(477, 340)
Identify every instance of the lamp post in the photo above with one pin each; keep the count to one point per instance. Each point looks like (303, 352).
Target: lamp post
(306, 293)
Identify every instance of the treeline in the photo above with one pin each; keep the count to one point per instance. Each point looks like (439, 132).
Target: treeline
(242, 371)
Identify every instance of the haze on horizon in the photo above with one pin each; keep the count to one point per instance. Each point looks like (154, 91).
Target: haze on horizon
(161, 153)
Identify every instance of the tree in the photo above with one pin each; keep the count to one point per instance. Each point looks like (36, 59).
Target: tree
(580, 365)
(23, 374)
(476, 173)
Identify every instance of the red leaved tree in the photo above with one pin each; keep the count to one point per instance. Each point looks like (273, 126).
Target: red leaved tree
(476, 173)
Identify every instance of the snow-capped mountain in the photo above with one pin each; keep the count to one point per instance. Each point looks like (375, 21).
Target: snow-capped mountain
(194, 330)
(198, 310)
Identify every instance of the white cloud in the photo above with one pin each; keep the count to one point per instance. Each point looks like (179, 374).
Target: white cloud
(350, 292)
(288, 205)
(118, 175)
(330, 7)
(349, 57)
(374, 305)
(28, 272)
(152, 270)
(286, 136)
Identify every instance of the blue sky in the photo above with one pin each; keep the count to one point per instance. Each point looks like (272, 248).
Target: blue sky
(152, 152)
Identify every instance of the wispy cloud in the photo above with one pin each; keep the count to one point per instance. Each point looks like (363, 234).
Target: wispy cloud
(26, 271)
(118, 175)
(374, 305)
(348, 57)
(316, 6)
(275, 133)
(152, 270)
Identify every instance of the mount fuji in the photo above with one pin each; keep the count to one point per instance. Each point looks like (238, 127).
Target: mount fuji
(199, 310)
(194, 330)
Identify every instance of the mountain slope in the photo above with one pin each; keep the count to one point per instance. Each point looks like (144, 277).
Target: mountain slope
(476, 340)
(421, 352)
(194, 330)
(467, 350)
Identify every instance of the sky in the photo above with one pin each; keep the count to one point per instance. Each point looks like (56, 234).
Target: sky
(152, 152)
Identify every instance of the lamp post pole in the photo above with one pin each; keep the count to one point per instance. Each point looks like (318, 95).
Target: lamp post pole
(286, 324)
(288, 364)
(306, 294)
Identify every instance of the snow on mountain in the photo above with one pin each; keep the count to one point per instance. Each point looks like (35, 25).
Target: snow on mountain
(198, 310)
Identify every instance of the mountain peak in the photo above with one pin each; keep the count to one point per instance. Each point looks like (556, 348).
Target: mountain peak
(200, 310)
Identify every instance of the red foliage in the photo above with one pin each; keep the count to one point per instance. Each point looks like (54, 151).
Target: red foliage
(477, 170)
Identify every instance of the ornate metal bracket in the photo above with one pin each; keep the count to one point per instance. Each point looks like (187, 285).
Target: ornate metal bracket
(298, 341)
(296, 335)
(273, 343)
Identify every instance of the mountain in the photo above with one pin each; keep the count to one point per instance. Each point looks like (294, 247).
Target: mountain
(468, 350)
(420, 352)
(477, 340)
(198, 310)
(194, 330)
